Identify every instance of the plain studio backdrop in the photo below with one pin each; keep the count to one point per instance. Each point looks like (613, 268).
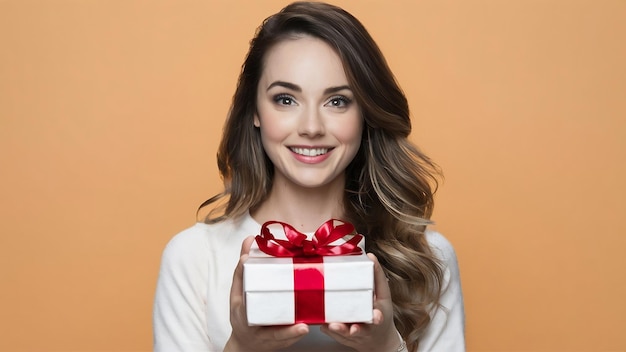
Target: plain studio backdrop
(111, 112)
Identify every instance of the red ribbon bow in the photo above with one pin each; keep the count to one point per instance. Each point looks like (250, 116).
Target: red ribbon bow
(297, 244)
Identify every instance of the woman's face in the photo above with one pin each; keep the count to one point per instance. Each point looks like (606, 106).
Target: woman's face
(309, 121)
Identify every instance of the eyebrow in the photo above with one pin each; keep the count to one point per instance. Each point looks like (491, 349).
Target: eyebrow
(297, 88)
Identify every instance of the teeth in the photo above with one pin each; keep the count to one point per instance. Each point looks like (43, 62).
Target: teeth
(310, 151)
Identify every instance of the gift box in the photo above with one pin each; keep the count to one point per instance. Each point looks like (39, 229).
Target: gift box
(291, 279)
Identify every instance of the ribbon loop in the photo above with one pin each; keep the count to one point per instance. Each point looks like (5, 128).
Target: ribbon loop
(297, 244)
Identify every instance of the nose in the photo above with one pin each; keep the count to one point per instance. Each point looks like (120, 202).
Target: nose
(311, 123)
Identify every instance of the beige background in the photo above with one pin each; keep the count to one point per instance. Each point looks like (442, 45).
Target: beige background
(111, 111)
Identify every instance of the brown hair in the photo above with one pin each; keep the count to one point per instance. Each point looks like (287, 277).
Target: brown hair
(389, 184)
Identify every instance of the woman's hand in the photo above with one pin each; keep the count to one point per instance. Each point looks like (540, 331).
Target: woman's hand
(381, 335)
(255, 338)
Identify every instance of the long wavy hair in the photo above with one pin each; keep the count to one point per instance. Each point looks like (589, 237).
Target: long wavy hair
(389, 184)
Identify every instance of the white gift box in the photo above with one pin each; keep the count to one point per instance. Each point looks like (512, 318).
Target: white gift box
(278, 291)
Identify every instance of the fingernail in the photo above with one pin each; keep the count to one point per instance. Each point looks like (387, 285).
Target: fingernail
(353, 330)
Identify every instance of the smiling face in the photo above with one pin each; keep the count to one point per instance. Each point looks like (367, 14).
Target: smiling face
(310, 123)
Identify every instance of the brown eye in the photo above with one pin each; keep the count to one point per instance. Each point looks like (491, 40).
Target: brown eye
(283, 99)
(338, 102)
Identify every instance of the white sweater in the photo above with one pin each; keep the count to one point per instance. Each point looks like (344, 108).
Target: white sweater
(191, 307)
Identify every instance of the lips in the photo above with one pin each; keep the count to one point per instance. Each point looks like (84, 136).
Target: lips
(309, 151)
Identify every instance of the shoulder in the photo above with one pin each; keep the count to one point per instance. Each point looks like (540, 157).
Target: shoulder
(185, 250)
(444, 251)
(201, 240)
(192, 239)
(441, 247)
(187, 255)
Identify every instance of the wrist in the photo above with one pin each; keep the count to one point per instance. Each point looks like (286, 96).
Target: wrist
(402, 347)
(232, 345)
(393, 343)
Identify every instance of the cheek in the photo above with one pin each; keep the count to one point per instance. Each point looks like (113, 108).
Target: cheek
(351, 132)
(271, 131)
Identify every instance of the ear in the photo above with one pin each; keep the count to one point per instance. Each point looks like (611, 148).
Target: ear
(257, 122)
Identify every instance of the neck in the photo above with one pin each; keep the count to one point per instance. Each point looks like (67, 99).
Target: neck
(303, 208)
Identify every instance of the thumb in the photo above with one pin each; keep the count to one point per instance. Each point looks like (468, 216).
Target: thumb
(236, 289)
(381, 284)
(246, 244)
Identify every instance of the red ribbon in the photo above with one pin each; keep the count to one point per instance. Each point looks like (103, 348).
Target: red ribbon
(308, 284)
(308, 263)
(297, 244)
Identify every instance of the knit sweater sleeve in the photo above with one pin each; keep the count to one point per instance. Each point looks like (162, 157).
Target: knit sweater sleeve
(179, 315)
(446, 331)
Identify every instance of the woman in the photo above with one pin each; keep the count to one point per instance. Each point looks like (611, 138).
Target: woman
(317, 130)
